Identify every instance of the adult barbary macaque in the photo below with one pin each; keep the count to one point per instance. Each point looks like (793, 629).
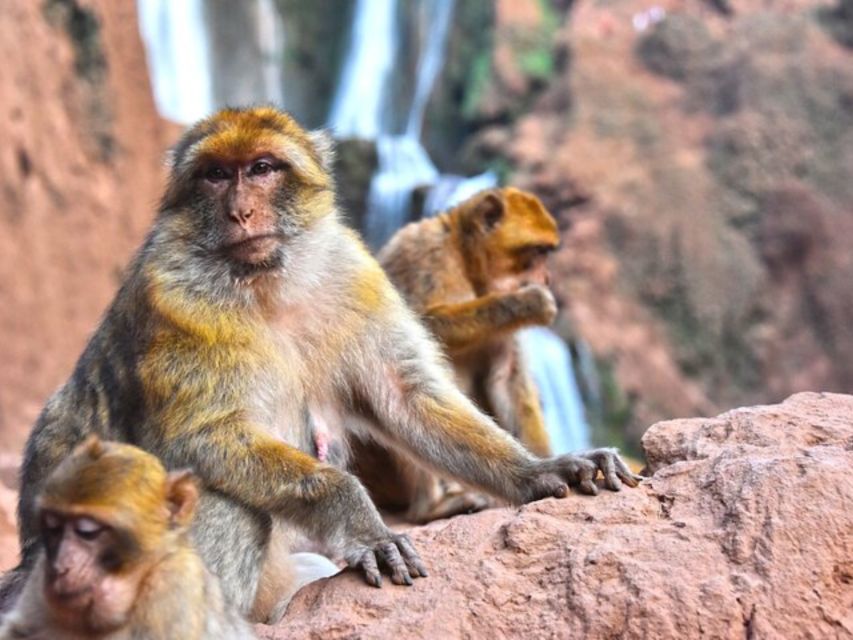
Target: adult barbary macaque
(251, 320)
(116, 561)
(476, 274)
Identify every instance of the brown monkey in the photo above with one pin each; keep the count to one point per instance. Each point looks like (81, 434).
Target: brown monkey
(475, 274)
(116, 559)
(250, 315)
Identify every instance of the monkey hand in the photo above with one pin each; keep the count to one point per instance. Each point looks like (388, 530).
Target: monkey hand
(393, 550)
(552, 477)
(533, 303)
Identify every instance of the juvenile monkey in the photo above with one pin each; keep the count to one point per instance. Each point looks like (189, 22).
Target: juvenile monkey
(249, 315)
(476, 274)
(116, 561)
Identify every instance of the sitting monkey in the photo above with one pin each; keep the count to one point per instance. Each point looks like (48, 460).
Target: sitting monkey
(476, 274)
(116, 560)
(250, 315)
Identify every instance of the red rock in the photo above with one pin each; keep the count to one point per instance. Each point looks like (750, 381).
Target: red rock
(745, 529)
(80, 170)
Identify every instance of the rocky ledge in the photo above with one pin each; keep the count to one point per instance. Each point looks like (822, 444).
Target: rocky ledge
(744, 529)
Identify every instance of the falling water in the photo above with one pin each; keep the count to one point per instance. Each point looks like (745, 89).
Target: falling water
(177, 48)
(361, 109)
(403, 166)
(430, 61)
(271, 44)
(551, 363)
(361, 100)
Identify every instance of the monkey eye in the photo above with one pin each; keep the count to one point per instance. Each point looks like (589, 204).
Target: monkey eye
(260, 168)
(87, 528)
(215, 174)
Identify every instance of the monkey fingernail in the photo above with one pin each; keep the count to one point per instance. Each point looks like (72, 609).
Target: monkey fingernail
(588, 487)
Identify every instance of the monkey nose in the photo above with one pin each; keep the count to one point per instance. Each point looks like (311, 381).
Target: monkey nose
(240, 216)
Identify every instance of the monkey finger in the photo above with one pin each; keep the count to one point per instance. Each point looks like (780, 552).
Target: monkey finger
(367, 563)
(586, 480)
(399, 571)
(625, 474)
(608, 470)
(417, 569)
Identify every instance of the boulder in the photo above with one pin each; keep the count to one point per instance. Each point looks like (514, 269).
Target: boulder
(745, 529)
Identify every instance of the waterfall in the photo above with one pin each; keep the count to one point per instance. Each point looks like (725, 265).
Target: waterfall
(438, 14)
(550, 361)
(361, 99)
(176, 45)
(362, 109)
(271, 45)
(403, 166)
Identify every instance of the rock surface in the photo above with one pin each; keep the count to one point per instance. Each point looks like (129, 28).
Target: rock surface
(80, 172)
(744, 530)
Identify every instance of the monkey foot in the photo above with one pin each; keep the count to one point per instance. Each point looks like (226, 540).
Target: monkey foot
(453, 505)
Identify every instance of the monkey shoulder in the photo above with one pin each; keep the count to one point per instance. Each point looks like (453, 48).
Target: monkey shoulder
(424, 263)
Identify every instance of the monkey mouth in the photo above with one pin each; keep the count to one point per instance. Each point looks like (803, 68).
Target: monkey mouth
(70, 597)
(254, 249)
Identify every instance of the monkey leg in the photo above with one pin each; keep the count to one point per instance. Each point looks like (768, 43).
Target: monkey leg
(284, 573)
(233, 541)
(433, 498)
(514, 400)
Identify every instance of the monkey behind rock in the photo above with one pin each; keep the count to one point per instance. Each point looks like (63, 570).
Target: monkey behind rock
(116, 559)
(250, 315)
(476, 274)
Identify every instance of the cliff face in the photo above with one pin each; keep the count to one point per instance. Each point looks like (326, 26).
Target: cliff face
(80, 167)
(744, 530)
(700, 158)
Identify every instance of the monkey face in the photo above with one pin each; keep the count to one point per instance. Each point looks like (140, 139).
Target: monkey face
(515, 235)
(243, 196)
(73, 547)
(82, 584)
(247, 184)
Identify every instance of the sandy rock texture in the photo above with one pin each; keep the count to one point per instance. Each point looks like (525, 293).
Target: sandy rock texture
(80, 170)
(744, 530)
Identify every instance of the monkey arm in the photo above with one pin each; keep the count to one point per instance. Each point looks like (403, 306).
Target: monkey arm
(471, 323)
(266, 474)
(419, 410)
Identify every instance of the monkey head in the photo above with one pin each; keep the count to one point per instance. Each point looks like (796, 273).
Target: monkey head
(107, 514)
(507, 235)
(247, 182)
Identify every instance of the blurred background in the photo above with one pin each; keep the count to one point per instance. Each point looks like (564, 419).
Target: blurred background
(698, 155)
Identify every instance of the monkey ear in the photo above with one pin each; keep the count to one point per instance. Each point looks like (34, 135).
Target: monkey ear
(182, 496)
(490, 210)
(324, 144)
(93, 446)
